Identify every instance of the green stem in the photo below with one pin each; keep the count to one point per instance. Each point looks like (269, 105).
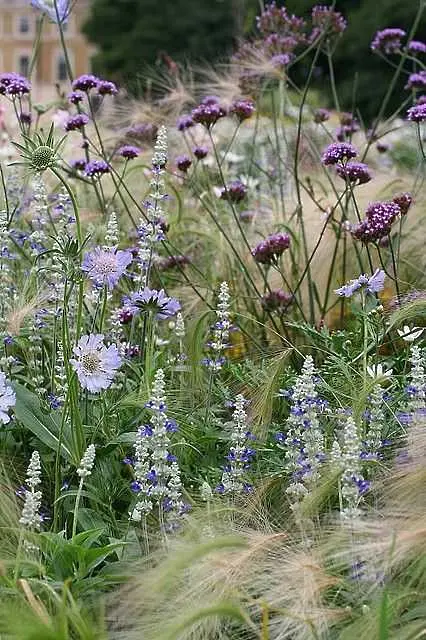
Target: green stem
(76, 506)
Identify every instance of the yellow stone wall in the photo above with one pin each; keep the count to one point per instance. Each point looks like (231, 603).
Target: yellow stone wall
(14, 45)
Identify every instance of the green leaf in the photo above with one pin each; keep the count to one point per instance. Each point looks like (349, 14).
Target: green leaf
(44, 426)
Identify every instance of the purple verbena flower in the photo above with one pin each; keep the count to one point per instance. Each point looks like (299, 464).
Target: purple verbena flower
(75, 97)
(96, 168)
(95, 364)
(388, 40)
(128, 151)
(276, 300)
(354, 172)
(106, 266)
(152, 300)
(208, 114)
(417, 80)
(107, 88)
(269, 250)
(200, 152)
(234, 192)
(13, 84)
(378, 221)
(243, 109)
(321, 115)
(326, 19)
(417, 113)
(281, 60)
(79, 164)
(404, 202)
(185, 122)
(416, 46)
(183, 163)
(85, 82)
(73, 123)
(338, 152)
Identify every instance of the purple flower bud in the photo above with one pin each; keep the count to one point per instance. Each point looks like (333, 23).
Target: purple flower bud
(269, 250)
(107, 88)
(234, 192)
(183, 163)
(200, 152)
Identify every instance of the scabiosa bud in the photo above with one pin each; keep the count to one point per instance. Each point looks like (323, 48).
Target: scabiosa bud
(234, 192)
(183, 163)
(325, 19)
(73, 123)
(404, 202)
(200, 152)
(243, 109)
(378, 221)
(338, 152)
(276, 300)
(417, 113)
(388, 40)
(416, 46)
(107, 88)
(321, 115)
(208, 114)
(417, 80)
(85, 82)
(75, 97)
(96, 168)
(13, 84)
(185, 122)
(87, 462)
(354, 172)
(129, 152)
(269, 250)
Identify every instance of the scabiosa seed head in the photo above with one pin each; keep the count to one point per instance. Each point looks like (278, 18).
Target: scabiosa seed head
(13, 84)
(388, 40)
(276, 300)
(321, 115)
(417, 113)
(73, 123)
(183, 163)
(106, 266)
(42, 158)
(234, 192)
(354, 172)
(107, 88)
(243, 109)
(417, 80)
(404, 202)
(129, 152)
(85, 82)
(96, 365)
(338, 152)
(269, 250)
(96, 168)
(200, 152)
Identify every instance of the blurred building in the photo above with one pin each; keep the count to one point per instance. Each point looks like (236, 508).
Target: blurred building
(18, 28)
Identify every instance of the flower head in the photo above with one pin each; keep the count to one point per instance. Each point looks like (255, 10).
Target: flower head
(416, 46)
(410, 334)
(96, 168)
(269, 250)
(185, 122)
(106, 266)
(58, 13)
(183, 163)
(85, 82)
(321, 115)
(338, 152)
(378, 221)
(13, 84)
(7, 399)
(374, 284)
(417, 113)
(416, 80)
(75, 97)
(388, 40)
(234, 192)
(243, 109)
(73, 123)
(95, 364)
(200, 152)
(354, 172)
(87, 462)
(151, 299)
(107, 88)
(128, 151)
(208, 114)
(404, 202)
(326, 19)
(276, 300)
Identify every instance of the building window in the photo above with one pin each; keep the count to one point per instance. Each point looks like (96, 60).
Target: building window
(24, 25)
(24, 65)
(61, 70)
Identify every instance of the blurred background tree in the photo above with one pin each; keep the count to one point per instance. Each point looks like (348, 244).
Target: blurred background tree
(134, 34)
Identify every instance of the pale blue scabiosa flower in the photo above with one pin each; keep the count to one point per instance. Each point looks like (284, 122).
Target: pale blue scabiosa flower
(304, 437)
(31, 517)
(96, 365)
(106, 266)
(151, 300)
(61, 11)
(374, 284)
(346, 457)
(220, 330)
(7, 399)
(156, 469)
(240, 453)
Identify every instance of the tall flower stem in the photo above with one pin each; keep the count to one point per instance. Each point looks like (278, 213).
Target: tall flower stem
(76, 507)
